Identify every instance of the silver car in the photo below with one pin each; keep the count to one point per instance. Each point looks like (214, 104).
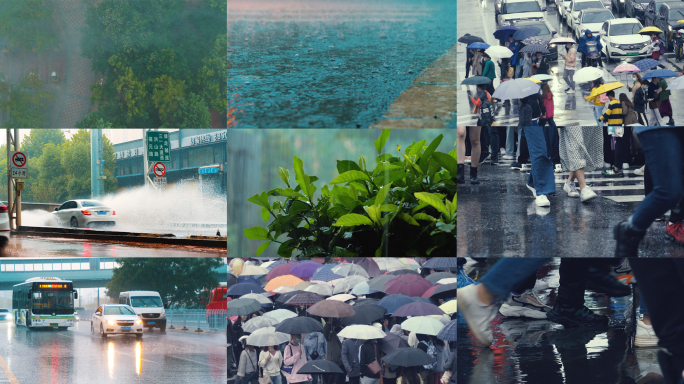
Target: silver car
(113, 319)
(84, 213)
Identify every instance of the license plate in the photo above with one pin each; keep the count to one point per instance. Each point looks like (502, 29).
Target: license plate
(632, 53)
(150, 322)
(125, 328)
(101, 212)
(54, 325)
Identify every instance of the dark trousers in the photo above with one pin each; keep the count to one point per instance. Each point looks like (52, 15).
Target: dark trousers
(661, 282)
(524, 151)
(468, 63)
(504, 67)
(494, 142)
(607, 147)
(354, 379)
(573, 275)
(622, 148)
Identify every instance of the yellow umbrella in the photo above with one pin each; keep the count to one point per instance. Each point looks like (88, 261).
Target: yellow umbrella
(605, 88)
(536, 81)
(284, 280)
(449, 307)
(650, 30)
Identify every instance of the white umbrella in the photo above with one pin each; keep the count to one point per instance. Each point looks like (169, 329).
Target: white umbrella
(542, 77)
(258, 297)
(449, 280)
(342, 297)
(678, 83)
(267, 264)
(390, 264)
(321, 289)
(562, 40)
(258, 322)
(498, 52)
(425, 325)
(587, 74)
(267, 336)
(280, 314)
(348, 283)
(253, 270)
(283, 289)
(515, 89)
(349, 269)
(362, 332)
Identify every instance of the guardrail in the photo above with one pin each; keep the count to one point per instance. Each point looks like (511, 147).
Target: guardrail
(183, 319)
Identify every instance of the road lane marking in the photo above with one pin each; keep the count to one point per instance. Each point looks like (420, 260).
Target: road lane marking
(8, 373)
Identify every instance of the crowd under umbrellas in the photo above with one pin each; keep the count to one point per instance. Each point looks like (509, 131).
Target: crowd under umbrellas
(364, 297)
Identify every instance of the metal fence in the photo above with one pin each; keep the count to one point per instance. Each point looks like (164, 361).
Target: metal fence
(185, 319)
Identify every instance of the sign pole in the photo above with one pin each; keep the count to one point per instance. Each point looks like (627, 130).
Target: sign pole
(146, 164)
(17, 200)
(9, 178)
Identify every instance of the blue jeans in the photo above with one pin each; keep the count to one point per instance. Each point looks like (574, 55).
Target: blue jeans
(276, 380)
(541, 177)
(664, 151)
(520, 131)
(598, 112)
(508, 272)
(510, 141)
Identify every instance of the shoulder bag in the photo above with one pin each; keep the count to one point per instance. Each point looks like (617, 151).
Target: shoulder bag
(288, 368)
(250, 376)
(374, 366)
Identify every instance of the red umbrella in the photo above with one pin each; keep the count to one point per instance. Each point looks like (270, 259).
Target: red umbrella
(430, 291)
(407, 284)
(282, 269)
(304, 299)
(369, 265)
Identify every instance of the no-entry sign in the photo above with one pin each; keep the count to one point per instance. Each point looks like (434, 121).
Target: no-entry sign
(19, 160)
(159, 169)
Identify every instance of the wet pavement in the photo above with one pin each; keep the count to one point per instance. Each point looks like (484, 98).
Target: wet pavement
(569, 109)
(528, 351)
(499, 217)
(77, 356)
(338, 64)
(55, 247)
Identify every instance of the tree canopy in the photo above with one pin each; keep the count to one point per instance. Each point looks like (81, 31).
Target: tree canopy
(27, 24)
(33, 143)
(26, 102)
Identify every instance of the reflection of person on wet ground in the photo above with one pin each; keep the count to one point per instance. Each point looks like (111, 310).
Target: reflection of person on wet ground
(664, 151)
(475, 154)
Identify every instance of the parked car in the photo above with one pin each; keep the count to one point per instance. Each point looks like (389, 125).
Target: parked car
(516, 10)
(621, 38)
(84, 213)
(576, 6)
(652, 11)
(113, 319)
(636, 8)
(670, 20)
(547, 33)
(563, 7)
(4, 227)
(591, 19)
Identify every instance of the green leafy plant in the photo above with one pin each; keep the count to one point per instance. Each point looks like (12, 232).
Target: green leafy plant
(405, 205)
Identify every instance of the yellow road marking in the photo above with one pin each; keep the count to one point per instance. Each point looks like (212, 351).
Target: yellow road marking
(8, 373)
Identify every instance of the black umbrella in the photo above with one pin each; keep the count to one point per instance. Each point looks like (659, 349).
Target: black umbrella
(287, 296)
(317, 367)
(440, 263)
(408, 357)
(364, 302)
(391, 342)
(378, 283)
(242, 307)
(232, 280)
(445, 291)
(469, 39)
(435, 277)
(243, 289)
(403, 272)
(475, 80)
(299, 325)
(365, 315)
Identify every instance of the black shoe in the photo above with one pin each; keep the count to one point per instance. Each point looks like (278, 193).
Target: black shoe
(575, 317)
(603, 282)
(671, 123)
(473, 176)
(515, 165)
(460, 174)
(671, 373)
(628, 240)
(494, 162)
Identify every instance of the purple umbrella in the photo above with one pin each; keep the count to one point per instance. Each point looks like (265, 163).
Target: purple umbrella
(407, 284)
(418, 308)
(368, 264)
(305, 269)
(282, 269)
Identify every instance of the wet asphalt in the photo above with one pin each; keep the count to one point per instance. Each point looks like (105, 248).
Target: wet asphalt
(569, 109)
(499, 217)
(77, 356)
(527, 351)
(331, 64)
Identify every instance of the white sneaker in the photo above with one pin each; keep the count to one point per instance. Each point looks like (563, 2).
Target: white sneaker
(528, 304)
(587, 194)
(571, 189)
(478, 315)
(559, 168)
(645, 336)
(534, 191)
(570, 91)
(526, 167)
(467, 159)
(543, 201)
(639, 172)
(508, 157)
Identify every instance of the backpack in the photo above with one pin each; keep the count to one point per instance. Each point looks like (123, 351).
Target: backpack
(662, 47)
(432, 351)
(487, 112)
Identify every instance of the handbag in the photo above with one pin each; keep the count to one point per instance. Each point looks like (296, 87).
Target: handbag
(374, 366)
(288, 368)
(654, 104)
(314, 355)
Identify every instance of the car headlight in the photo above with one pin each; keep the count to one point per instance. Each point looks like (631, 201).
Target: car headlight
(111, 322)
(669, 27)
(138, 321)
(615, 45)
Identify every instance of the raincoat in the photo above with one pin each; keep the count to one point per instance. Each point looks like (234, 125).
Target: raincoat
(584, 39)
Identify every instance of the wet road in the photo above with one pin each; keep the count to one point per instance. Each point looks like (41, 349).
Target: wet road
(529, 351)
(54, 247)
(570, 109)
(77, 356)
(331, 64)
(499, 218)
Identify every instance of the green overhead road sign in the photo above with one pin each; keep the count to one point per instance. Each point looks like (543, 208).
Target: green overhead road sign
(158, 146)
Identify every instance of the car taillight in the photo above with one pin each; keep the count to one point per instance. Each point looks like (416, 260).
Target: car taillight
(3, 208)
(113, 213)
(86, 212)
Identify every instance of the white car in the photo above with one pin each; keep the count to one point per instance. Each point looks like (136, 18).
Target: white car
(5, 315)
(113, 319)
(4, 227)
(563, 7)
(621, 38)
(516, 10)
(591, 19)
(84, 213)
(576, 6)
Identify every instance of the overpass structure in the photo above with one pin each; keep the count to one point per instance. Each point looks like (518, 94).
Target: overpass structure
(85, 272)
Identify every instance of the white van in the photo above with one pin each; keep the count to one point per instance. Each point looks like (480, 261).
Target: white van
(148, 305)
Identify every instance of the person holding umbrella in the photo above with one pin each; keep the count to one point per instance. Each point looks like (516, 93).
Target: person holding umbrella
(316, 348)
(248, 369)
(270, 360)
(654, 102)
(295, 358)
(641, 100)
(477, 63)
(489, 72)
(665, 107)
(542, 64)
(526, 65)
(598, 104)
(334, 347)
(570, 63)
(350, 359)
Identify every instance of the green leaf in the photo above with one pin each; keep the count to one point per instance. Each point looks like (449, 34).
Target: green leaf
(383, 157)
(362, 163)
(415, 148)
(260, 200)
(262, 248)
(432, 200)
(423, 216)
(284, 175)
(350, 176)
(351, 220)
(374, 213)
(428, 152)
(286, 248)
(388, 208)
(390, 177)
(312, 251)
(407, 218)
(341, 252)
(288, 192)
(257, 233)
(347, 165)
(446, 161)
(382, 140)
(265, 214)
(382, 194)
(302, 178)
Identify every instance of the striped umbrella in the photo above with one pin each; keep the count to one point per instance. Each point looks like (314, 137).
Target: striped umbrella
(534, 48)
(304, 299)
(448, 333)
(349, 269)
(646, 64)
(325, 273)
